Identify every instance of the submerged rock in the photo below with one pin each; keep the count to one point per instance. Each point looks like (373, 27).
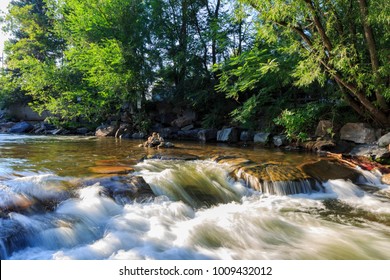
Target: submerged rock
(171, 157)
(111, 169)
(124, 189)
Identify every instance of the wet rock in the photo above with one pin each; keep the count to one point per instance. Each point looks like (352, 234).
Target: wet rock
(261, 137)
(228, 135)
(319, 145)
(124, 189)
(386, 179)
(4, 127)
(171, 157)
(277, 179)
(360, 133)
(206, 135)
(280, 140)
(111, 169)
(371, 151)
(22, 127)
(106, 130)
(323, 128)
(324, 170)
(384, 140)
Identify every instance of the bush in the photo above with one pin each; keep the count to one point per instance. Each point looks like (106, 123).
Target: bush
(298, 123)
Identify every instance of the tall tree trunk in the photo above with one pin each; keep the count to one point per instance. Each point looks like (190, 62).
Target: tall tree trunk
(369, 35)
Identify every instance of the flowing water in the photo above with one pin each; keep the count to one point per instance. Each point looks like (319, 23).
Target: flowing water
(54, 204)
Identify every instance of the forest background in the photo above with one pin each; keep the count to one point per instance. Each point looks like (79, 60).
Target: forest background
(279, 65)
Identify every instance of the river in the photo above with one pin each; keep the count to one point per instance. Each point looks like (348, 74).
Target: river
(55, 205)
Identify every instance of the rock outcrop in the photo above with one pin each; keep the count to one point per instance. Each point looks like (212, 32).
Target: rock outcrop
(360, 133)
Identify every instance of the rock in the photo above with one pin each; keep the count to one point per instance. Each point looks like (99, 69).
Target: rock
(56, 131)
(229, 135)
(325, 170)
(124, 128)
(124, 189)
(168, 132)
(171, 157)
(323, 128)
(138, 135)
(386, 179)
(111, 169)
(261, 137)
(371, 151)
(319, 145)
(167, 145)
(165, 118)
(384, 140)
(280, 140)
(188, 134)
(187, 127)
(206, 135)
(21, 127)
(187, 118)
(4, 127)
(82, 130)
(360, 133)
(106, 130)
(246, 136)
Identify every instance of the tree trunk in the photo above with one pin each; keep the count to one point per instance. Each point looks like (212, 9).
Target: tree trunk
(369, 35)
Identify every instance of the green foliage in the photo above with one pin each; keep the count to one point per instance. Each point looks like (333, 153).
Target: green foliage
(298, 123)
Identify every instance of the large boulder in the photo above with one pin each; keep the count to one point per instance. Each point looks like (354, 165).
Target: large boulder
(106, 130)
(228, 135)
(360, 133)
(384, 140)
(323, 128)
(206, 135)
(21, 127)
(261, 137)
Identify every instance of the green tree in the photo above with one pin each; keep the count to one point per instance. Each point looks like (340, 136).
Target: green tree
(347, 41)
(31, 51)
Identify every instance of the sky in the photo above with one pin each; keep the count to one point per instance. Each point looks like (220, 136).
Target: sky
(3, 7)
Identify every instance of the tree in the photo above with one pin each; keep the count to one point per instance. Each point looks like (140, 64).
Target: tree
(347, 41)
(32, 49)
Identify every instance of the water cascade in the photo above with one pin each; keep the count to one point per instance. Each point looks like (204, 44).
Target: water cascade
(204, 207)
